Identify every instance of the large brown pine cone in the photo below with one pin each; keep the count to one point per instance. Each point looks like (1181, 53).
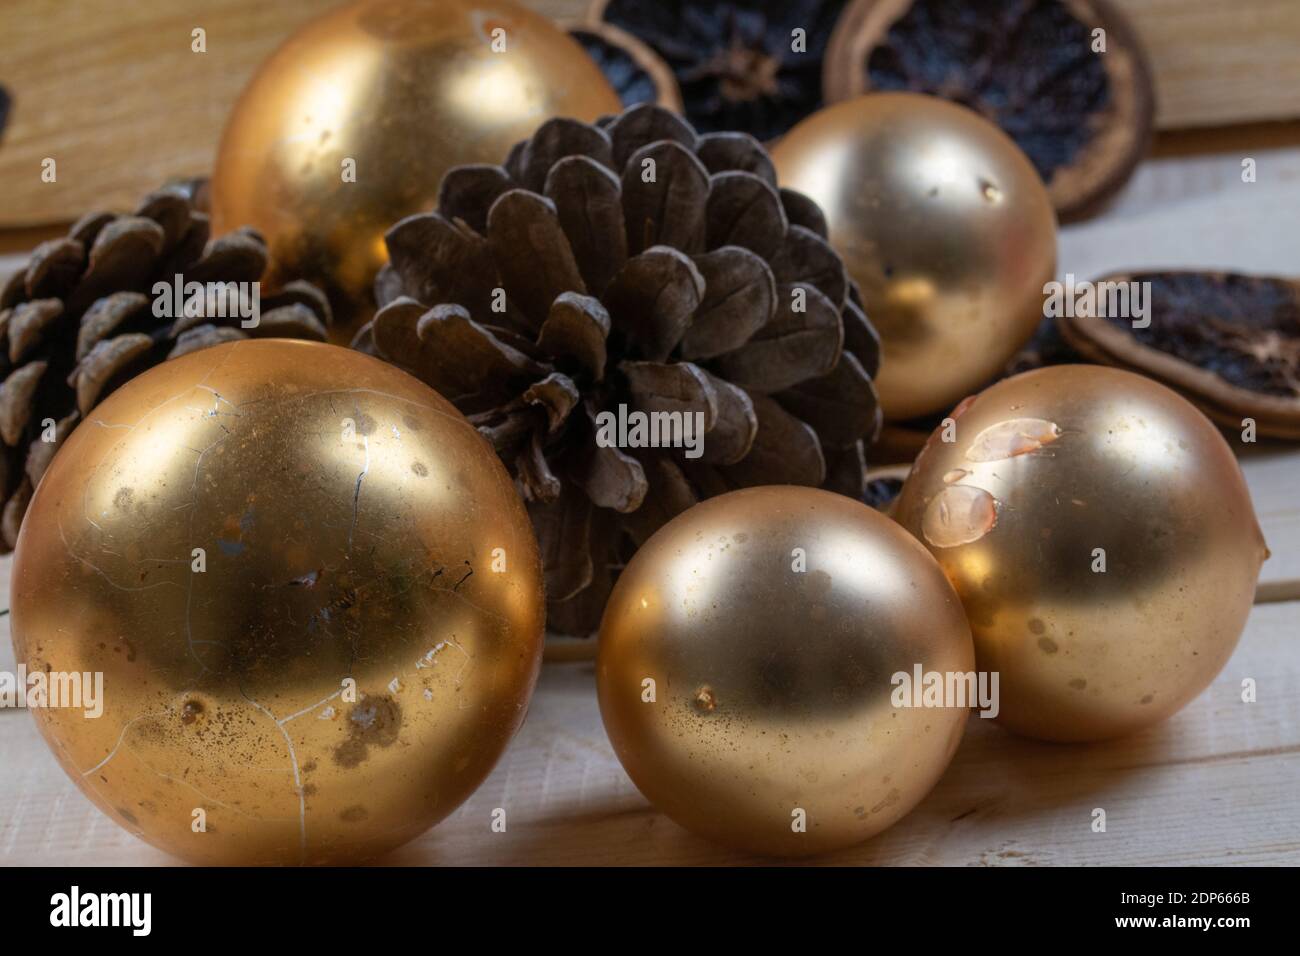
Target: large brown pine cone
(631, 262)
(79, 320)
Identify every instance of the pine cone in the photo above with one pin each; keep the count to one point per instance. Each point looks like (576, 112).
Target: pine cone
(79, 321)
(565, 284)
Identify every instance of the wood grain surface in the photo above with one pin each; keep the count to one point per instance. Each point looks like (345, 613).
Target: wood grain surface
(1213, 785)
(112, 91)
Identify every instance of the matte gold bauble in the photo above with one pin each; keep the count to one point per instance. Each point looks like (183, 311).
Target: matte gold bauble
(312, 592)
(747, 664)
(946, 227)
(390, 94)
(1102, 539)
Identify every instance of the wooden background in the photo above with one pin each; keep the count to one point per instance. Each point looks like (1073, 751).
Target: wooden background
(1216, 784)
(112, 90)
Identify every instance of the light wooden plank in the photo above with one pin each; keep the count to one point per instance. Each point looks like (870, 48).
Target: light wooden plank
(1214, 785)
(1217, 62)
(1218, 222)
(1208, 163)
(114, 94)
(1273, 474)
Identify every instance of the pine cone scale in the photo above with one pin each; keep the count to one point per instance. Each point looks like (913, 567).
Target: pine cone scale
(588, 201)
(739, 299)
(577, 326)
(523, 220)
(54, 267)
(653, 299)
(665, 192)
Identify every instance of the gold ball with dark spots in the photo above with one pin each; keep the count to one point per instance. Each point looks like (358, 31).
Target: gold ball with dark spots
(311, 589)
(748, 670)
(1103, 542)
(947, 229)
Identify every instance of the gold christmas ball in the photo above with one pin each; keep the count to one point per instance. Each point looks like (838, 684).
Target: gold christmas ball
(747, 670)
(945, 226)
(351, 123)
(312, 593)
(1102, 539)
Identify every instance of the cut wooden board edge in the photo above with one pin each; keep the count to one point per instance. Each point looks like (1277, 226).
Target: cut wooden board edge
(1275, 592)
(1213, 785)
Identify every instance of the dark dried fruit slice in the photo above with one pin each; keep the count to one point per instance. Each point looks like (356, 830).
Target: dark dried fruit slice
(637, 73)
(1047, 347)
(748, 65)
(1033, 67)
(1229, 342)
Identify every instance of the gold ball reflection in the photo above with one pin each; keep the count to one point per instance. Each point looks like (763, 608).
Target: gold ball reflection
(746, 662)
(946, 227)
(1102, 539)
(390, 94)
(283, 558)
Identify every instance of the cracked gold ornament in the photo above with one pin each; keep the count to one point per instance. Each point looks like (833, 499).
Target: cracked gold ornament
(311, 589)
(946, 227)
(351, 123)
(747, 670)
(1102, 539)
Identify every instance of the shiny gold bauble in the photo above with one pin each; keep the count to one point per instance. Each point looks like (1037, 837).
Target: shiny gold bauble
(312, 592)
(399, 91)
(946, 227)
(1102, 539)
(746, 665)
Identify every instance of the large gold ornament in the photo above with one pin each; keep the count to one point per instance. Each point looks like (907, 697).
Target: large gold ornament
(311, 589)
(1101, 536)
(746, 668)
(349, 126)
(946, 227)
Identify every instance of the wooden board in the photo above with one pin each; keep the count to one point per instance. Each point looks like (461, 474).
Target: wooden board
(1273, 474)
(1218, 62)
(1213, 785)
(112, 91)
